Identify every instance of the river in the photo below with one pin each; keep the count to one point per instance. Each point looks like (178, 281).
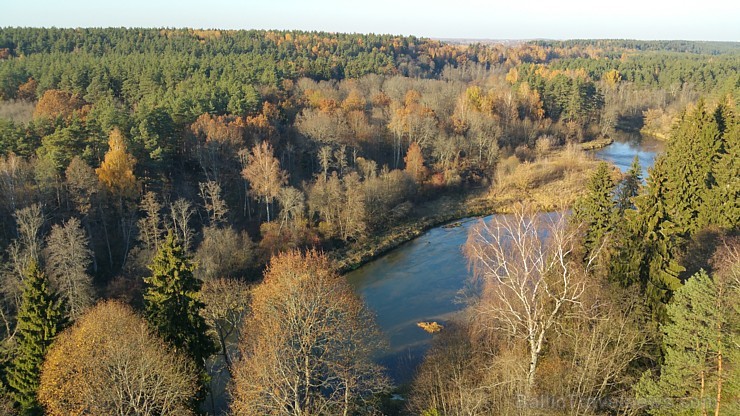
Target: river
(425, 279)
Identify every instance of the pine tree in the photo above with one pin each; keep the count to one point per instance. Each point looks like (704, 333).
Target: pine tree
(40, 318)
(172, 302)
(698, 375)
(595, 210)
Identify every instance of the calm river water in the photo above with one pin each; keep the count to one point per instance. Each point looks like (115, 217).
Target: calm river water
(425, 279)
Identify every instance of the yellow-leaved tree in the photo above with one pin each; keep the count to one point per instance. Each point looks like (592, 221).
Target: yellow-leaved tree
(117, 170)
(112, 363)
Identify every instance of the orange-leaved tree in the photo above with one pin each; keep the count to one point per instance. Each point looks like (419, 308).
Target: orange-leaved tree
(415, 163)
(307, 343)
(111, 362)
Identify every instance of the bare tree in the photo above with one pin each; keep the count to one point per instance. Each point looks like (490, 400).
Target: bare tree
(307, 345)
(226, 303)
(264, 174)
(68, 257)
(150, 226)
(180, 213)
(324, 157)
(21, 252)
(292, 205)
(449, 379)
(529, 281)
(15, 174)
(224, 252)
(213, 202)
(29, 221)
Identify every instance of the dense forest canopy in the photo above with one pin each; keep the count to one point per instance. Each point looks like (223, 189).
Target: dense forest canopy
(170, 169)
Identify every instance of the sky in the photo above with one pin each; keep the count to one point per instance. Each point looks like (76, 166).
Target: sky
(471, 19)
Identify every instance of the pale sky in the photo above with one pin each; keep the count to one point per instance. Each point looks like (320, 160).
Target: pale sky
(479, 19)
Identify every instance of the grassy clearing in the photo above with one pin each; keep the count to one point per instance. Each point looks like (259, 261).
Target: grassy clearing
(551, 183)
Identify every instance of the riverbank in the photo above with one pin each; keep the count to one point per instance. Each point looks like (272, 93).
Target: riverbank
(429, 214)
(596, 144)
(550, 183)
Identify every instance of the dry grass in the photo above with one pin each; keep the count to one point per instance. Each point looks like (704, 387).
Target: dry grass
(17, 111)
(553, 182)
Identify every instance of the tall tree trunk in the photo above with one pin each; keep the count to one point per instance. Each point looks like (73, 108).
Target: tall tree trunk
(719, 382)
(701, 396)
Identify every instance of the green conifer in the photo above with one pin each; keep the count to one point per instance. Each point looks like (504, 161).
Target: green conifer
(172, 303)
(698, 367)
(595, 210)
(689, 160)
(40, 318)
(630, 187)
(722, 207)
(658, 269)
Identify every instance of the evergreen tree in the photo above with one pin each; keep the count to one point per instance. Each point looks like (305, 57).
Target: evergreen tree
(40, 319)
(172, 302)
(655, 239)
(630, 187)
(722, 207)
(698, 375)
(689, 160)
(595, 210)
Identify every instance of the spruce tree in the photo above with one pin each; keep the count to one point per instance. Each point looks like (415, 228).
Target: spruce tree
(722, 207)
(172, 301)
(630, 187)
(658, 238)
(595, 210)
(40, 318)
(689, 160)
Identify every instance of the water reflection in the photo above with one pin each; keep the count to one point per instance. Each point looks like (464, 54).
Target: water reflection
(626, 146)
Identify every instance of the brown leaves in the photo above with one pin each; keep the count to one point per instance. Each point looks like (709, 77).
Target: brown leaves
(110, 362)
(55, 103)
(306, 343)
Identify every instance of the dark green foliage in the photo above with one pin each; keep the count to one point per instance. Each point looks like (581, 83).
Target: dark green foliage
(694, 185)
(689, 162)
(595, 210)
(172, 304)
(656, 266)
(629, 187)
(40, 319)
(723, 199)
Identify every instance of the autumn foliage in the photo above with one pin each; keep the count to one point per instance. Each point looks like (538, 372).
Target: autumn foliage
(307, 344)
(117, 170)
(111, 362)
(55, 103)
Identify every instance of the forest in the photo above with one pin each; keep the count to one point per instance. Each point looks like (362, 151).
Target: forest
(178, 207)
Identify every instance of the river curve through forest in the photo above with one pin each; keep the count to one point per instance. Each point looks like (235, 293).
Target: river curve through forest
(426, 279)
